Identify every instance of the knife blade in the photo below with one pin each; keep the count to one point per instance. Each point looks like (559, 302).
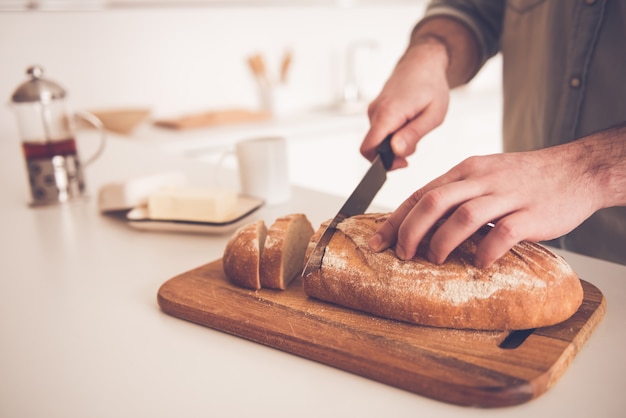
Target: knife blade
(357, 203)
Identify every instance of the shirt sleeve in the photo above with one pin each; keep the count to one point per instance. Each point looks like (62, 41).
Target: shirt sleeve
(482, 17)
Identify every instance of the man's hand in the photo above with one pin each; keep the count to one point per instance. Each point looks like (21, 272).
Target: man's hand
(533, 196)
(442, 54)
(412, 103)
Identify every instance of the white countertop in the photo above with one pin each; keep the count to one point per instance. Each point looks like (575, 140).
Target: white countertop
(83, 336)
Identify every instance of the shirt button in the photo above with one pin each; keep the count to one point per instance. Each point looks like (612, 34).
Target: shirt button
(574, 82)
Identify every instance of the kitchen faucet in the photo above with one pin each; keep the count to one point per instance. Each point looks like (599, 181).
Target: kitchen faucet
(351, 89)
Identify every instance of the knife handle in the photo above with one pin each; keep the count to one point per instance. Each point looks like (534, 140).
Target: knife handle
(385, 152)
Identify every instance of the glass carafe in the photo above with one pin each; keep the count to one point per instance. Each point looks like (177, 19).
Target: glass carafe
(47, 129)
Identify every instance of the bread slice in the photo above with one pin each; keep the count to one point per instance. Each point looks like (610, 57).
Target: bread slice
(528, 287)
(283, 256)
(242, 255)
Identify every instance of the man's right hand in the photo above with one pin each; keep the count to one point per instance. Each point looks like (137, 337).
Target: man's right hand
(442, 54)
(413, 102)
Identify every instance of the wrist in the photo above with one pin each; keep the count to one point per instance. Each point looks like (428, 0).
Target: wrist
(607, 151)
(601, 158)
(428, 49)
(459, 43)
(433, 43)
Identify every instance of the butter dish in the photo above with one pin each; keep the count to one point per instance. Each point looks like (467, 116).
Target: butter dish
(245, 208)
(125, 195)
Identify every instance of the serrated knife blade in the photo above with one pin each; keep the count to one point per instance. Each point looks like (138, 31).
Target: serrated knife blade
(357, 203)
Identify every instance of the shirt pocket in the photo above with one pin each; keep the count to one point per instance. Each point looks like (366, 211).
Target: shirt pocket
(523, 6)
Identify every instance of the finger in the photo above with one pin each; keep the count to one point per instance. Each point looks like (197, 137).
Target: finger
(370, 154)
(468, 218)
(373, 138)
(383, 121)
(452, 175)
(387, 233)
(405, 140)
(399, 162)
(430, 208)
(506, 233)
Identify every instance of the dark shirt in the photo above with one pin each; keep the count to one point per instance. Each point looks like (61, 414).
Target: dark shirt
(564, 77)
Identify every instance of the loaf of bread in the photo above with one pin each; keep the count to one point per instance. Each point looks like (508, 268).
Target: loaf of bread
(282, 258)
(528, 287)
(242, 255)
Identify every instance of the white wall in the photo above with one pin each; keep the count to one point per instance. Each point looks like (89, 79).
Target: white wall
(191, 59)
(174, 60)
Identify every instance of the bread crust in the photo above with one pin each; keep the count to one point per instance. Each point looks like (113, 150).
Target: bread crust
(283, 255)
(241, 259)
(528, 287)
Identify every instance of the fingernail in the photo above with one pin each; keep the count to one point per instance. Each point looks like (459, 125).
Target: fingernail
(399, 147)
(432, 258)
(376, 242)
(481, 264)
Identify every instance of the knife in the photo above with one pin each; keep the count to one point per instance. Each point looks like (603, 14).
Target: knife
(356, 204)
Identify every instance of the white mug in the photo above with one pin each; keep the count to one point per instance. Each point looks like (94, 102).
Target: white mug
(263, 168)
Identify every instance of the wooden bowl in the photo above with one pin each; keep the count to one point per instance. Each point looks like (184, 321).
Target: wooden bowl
(122, 121)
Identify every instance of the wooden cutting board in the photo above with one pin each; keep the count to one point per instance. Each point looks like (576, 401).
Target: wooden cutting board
(461, 367)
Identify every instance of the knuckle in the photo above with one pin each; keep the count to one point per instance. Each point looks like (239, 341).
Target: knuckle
(433, 201)
(471, 164)
(382, 110)
(412, 200)
(507, 232)
(391, 225)
(438, 119)
(415, 129)
(467, 216)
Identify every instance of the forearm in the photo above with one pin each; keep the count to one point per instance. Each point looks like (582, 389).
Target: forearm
(460, 46)
(602, 159)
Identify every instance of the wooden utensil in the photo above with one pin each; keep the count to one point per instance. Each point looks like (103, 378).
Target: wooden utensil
(285, 65)
(257, 65)
(462, 367)
(122, 121)
(214, 118)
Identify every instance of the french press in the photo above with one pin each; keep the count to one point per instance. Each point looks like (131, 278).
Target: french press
(47, 129)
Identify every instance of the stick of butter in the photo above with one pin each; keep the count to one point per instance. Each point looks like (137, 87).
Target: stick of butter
(197, 204)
